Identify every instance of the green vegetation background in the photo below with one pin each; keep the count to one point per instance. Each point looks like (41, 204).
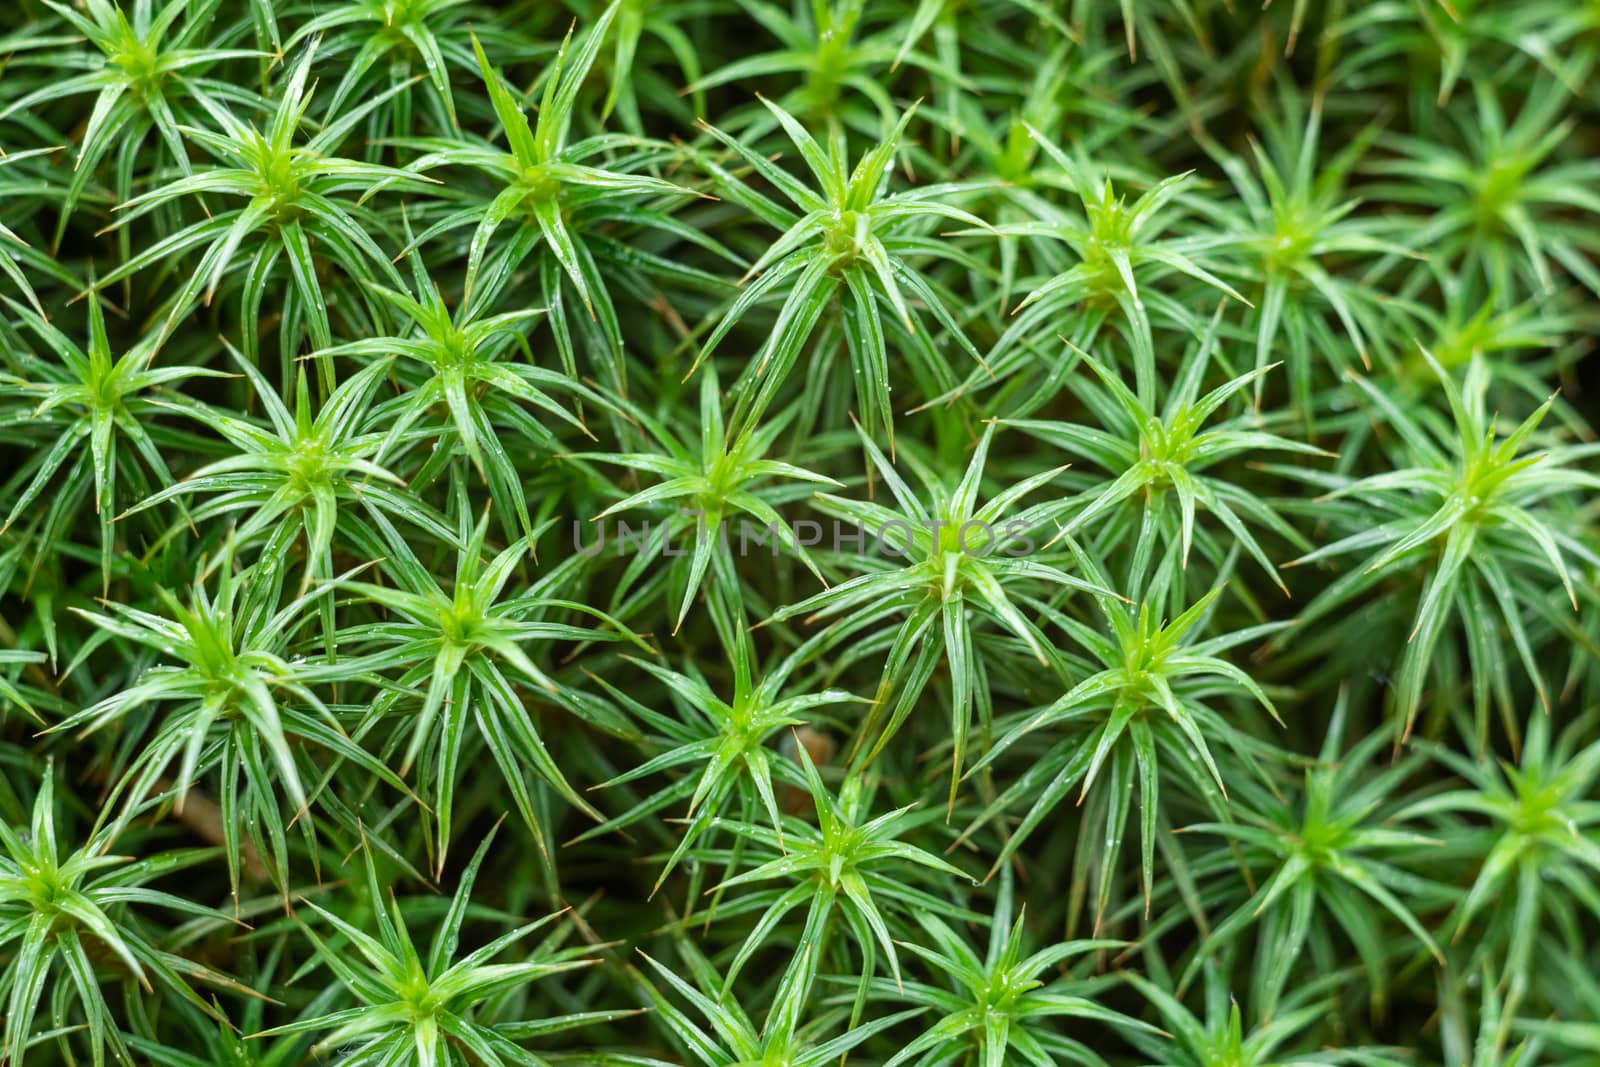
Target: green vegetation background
(1216, 683)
